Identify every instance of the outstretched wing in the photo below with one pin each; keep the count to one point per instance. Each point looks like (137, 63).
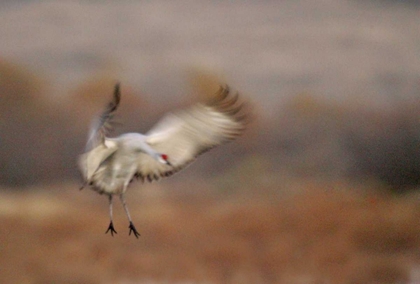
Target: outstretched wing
(185, 134)
(97, 147)
(102, 125)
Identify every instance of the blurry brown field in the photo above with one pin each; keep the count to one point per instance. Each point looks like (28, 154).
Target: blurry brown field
(319, 235)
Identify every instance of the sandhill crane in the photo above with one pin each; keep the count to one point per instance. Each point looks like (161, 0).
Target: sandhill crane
(110, 164)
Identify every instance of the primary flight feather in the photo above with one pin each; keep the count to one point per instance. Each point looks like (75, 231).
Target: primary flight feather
(110, 164)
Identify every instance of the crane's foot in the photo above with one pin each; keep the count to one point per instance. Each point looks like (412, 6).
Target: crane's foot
(111, 229)
(133, 229)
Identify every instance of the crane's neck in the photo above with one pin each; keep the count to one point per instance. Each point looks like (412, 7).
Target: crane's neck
(136, 142)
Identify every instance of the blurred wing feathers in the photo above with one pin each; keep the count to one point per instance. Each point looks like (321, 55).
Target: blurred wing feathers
(98, 148)
(103, 124)
(185, 134)
(89, 162)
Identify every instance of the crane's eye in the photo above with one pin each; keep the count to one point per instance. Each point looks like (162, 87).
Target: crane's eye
(165, 157)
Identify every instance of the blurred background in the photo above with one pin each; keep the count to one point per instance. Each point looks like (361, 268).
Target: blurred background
(322, 188)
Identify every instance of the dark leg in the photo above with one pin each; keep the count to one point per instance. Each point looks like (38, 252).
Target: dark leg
(111, 225)
(131, 227)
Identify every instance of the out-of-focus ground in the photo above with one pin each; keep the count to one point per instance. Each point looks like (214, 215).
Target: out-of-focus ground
(322, 188)
(321, 234)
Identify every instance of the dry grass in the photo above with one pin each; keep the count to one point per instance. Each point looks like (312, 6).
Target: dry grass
(316, 236)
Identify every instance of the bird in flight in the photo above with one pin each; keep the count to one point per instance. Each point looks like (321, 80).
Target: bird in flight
(110, 164)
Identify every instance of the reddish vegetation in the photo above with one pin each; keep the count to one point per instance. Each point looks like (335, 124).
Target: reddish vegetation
(316, 236)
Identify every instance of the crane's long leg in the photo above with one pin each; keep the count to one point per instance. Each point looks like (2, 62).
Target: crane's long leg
(111, 225)
(132, 228)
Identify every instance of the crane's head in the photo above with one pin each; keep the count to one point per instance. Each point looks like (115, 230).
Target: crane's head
(163, 158)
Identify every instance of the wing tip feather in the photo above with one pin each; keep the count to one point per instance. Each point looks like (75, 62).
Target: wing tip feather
(231, 105)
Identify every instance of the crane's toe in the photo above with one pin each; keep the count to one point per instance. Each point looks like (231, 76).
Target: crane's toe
(111, 229)
(133, 229)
